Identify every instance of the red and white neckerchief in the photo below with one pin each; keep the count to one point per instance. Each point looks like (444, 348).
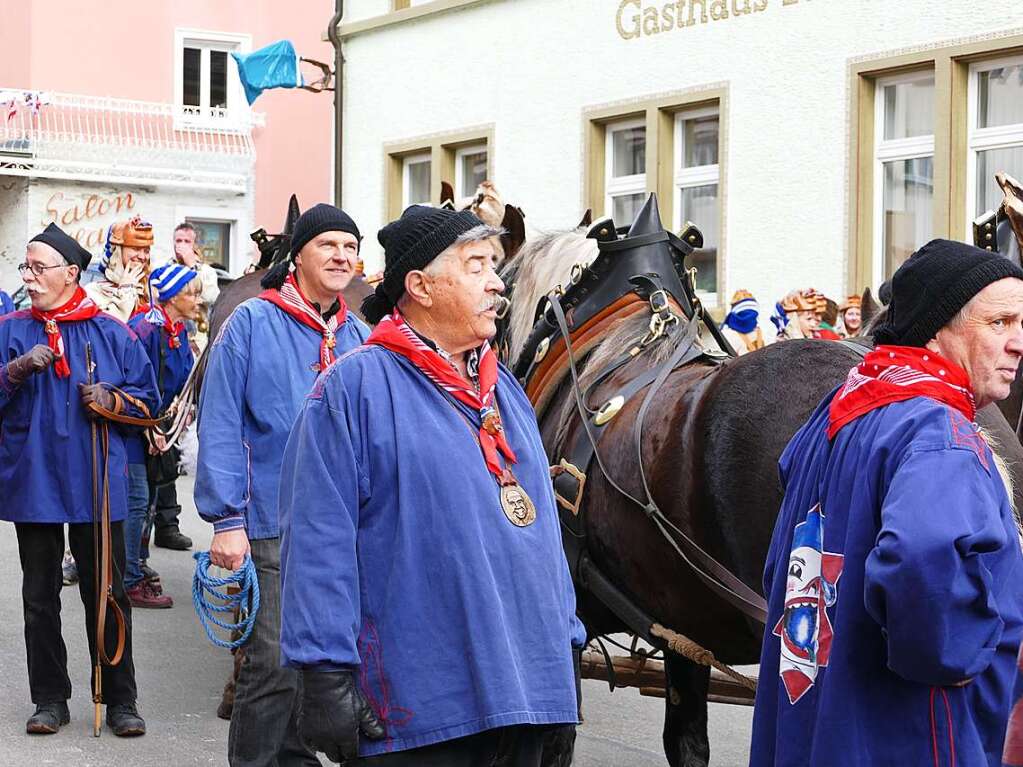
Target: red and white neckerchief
(79, 307)
(896, 373)
(394, 334)
(172, 328)
(291, 301)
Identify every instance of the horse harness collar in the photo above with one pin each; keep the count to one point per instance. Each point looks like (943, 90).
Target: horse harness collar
(642, 270)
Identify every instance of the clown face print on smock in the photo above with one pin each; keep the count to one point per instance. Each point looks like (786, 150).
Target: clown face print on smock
(805, 628)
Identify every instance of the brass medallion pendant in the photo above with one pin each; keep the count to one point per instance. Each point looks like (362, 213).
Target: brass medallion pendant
(517, 505)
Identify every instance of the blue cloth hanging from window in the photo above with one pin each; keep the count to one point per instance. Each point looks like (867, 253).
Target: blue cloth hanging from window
(273, 66)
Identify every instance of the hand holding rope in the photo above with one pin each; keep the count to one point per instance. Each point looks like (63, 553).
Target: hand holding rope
(246, 600)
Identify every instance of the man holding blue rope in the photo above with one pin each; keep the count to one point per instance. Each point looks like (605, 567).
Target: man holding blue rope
(425, 594)
(261, 367)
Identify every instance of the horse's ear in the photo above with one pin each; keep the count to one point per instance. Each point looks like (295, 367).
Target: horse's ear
(293, 213)
(868, 307)
(447, 196)
(587, 219)
(514, 225)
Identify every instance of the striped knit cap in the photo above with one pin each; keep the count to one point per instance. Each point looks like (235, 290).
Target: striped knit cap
(168, 280)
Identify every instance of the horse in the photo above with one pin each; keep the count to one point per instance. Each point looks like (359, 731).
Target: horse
(712, 436)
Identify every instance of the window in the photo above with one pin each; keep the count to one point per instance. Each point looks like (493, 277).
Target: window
(625, 170)
(420, 170)
(995, 129)
(213, 239)
(207, 87)
(470, 170)
(416, 179)
(696, 187)
(903, 168)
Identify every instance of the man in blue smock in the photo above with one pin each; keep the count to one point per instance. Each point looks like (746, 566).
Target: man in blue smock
(894, 578)
(261, 367)
(161, 330)
(46, 464)
(425, 594)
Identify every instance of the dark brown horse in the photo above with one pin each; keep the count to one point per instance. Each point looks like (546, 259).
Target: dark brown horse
(712, 439)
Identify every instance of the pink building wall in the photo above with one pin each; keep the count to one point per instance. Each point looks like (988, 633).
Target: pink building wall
(125, 49)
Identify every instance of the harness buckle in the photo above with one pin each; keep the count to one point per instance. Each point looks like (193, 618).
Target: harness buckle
(564, 467)
(659, 302)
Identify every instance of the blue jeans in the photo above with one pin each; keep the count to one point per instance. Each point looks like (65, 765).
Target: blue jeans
(138, 509)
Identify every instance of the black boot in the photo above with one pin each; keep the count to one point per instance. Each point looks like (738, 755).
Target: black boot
(48, 718)
(171, 538)
(124, 720)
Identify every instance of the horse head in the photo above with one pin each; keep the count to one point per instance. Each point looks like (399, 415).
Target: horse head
(274, 248)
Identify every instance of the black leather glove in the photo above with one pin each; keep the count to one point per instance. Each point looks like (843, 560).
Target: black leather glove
(35, 360)
(334, 713)
(95, 393)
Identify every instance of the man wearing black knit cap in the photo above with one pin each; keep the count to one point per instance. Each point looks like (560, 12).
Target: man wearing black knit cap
(426, 598)
(261, 366)
(895, 578)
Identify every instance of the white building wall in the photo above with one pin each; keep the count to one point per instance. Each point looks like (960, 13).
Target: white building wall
(13, 225)
(532, 67)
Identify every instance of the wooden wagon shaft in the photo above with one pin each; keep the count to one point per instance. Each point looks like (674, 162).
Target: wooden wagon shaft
(648, 676)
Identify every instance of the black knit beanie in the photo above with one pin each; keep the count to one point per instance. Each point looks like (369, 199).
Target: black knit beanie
(410, 243)
(317, 220)
(931, 287)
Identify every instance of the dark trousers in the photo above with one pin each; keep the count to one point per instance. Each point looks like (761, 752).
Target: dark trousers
(41, 549)
(521, 746)
(264, 721)
(164, 499)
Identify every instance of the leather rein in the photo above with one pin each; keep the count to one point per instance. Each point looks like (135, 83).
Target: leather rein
(102, 550)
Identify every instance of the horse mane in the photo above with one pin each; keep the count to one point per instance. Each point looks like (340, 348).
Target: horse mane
(541, 263)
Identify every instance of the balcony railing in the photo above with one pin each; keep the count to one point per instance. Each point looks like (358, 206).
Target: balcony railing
(72, 136)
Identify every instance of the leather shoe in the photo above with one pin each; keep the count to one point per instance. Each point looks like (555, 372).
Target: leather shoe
(149, 573)
(48, 718)
(143, 595)
(172, 538)
(124, 720)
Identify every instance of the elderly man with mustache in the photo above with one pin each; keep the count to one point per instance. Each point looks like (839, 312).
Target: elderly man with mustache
(426, 598)
(48, 395)
(894, 579)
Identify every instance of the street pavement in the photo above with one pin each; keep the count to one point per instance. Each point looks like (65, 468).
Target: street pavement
(181, 675)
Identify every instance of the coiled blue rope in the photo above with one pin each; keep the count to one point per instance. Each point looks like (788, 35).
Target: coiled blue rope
(205, 586)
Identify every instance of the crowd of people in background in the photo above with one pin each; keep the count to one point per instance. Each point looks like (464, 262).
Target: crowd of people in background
(804, 313)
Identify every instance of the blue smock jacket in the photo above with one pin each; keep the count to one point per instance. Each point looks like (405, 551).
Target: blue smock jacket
(894, 575)
(261, 366)
(171, 367)
(6, 304)
(45, 446)
(398, 561)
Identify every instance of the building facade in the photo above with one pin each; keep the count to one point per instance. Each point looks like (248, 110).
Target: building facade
(814, 142)
(122, 108)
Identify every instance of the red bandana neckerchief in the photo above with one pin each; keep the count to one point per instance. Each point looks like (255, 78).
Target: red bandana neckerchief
(79, 307)
(394, 334)
(172, 328)
(896, 373)
(290, 300)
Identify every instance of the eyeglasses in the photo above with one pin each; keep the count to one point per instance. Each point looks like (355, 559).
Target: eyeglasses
(38, 270)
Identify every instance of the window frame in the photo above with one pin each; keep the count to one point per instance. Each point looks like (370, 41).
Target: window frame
(895, 150)
(983, 139)
(233, 116)
(239, 221)
(691, 178)
(407, 161)
(459, 181)
(621, 186)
